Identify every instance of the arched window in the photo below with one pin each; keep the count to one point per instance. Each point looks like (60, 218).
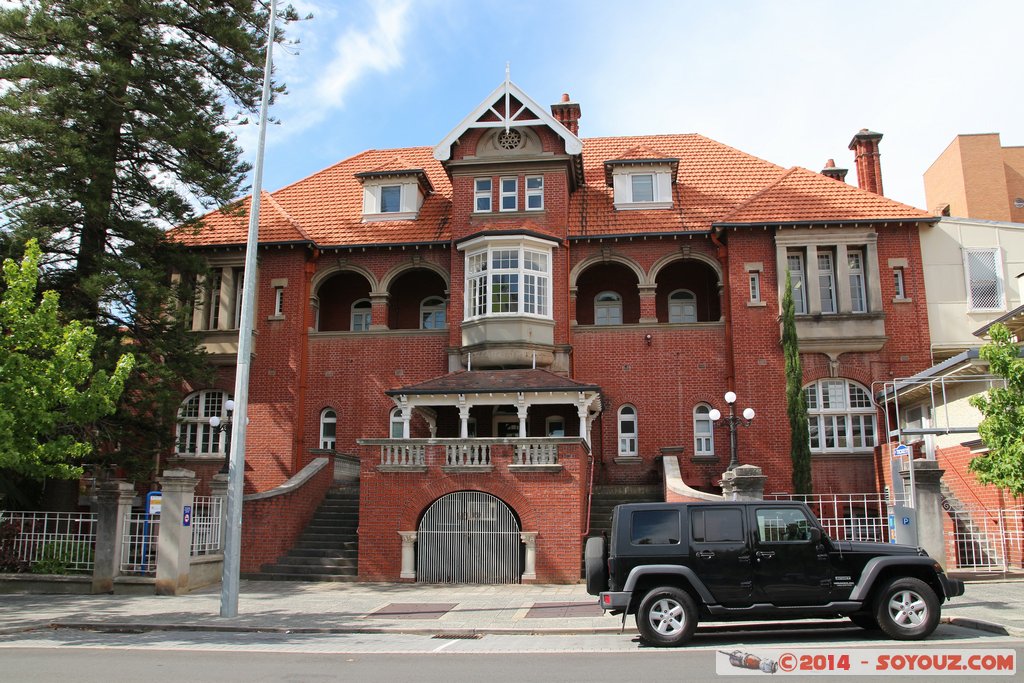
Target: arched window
(627, 430)
(328, 428)
(396, 429)
(840, 416)
(432, 313)
(195, 435)
(361, 315)
(703, 433)
(608, 308)
(682, 307)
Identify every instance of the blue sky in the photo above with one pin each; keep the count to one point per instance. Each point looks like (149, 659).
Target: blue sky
(790, 82)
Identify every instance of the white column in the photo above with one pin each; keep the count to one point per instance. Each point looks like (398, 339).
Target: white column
(873, 277)
(408, 554)
(227, 300)
(521, 410)
(406, 411)
(812, 283)
(844, 298)
(582, 411)
(530, 561)
(463, 418)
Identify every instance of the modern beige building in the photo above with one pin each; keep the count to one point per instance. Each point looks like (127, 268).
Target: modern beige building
(972, 272)
(976, 177)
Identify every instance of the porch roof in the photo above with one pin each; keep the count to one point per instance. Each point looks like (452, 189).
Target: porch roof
(495, 381)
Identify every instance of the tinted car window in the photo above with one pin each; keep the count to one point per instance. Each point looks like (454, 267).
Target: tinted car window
(655, 527)
(717, 526)
(776, 525)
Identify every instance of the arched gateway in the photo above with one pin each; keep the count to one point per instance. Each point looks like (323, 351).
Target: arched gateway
(468, 537)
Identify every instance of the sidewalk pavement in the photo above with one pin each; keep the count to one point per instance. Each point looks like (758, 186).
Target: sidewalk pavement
(295, 607)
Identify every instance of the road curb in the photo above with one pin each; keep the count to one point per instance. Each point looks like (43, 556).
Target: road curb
(982, 625)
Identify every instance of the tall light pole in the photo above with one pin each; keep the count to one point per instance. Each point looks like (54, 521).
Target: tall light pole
(733, 421)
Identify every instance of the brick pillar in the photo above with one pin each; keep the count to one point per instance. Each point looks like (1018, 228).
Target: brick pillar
(380, 311)
(746, 482)
(113, 502)
(928, 507)
(648, 307)
(174, 549)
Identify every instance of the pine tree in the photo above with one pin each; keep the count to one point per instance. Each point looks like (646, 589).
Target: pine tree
(796, 405)
(115, 125)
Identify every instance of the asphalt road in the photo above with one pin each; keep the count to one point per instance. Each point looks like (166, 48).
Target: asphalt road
(167, 656)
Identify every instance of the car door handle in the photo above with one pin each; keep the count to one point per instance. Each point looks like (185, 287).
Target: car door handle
(706, 554)
(765, 554)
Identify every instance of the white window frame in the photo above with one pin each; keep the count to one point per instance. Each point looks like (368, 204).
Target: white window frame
(397, 209)
(430, 308)
(549, 423)
(608, 308)
(627, 440)
(677, 310)
(535, 194)
(396, 425)
(703, 430)
(410, 199)
(361, 321)
(633, 178)
(855, 258)
(997, 266)
(797, 279)
(899, 283)
(483, 193)
(508, 277)
(754, 281)
(195, 436)
(827, 280)
(841, 416)
(328, 420)
(508, 194)
(278, 301)
(624, 196)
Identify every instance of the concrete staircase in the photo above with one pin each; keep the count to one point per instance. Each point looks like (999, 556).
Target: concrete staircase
(605, 498)
(328, 549)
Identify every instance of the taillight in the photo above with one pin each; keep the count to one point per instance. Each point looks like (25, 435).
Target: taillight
(607, 599)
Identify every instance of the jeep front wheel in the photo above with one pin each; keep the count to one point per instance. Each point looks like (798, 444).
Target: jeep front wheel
(667, 617)
(907, 609)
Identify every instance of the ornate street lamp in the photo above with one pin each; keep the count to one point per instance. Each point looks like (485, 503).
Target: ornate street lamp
(218, 425)
(733, 421)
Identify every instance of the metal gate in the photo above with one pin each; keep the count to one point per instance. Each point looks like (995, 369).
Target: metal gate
(468, 537)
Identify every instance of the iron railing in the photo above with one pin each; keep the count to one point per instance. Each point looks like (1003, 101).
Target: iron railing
(206, 525)
(849, 516)
(64, 541)
(139, 544)
(984, 539)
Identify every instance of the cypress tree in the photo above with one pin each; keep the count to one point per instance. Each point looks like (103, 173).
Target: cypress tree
(796, 404)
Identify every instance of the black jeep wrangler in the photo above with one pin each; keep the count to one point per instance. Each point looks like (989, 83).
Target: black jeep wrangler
(674, 563)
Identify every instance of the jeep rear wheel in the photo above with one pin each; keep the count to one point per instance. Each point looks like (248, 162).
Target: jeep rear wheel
(667, 617)
(907, 609)
(596, 565)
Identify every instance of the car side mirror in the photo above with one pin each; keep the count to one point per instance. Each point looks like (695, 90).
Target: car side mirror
(815, 534)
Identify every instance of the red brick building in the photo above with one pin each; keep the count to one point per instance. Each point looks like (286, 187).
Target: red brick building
(516, 314)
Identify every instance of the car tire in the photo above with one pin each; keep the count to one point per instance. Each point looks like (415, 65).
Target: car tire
(865, 620)
(907, 609)
(595, 565)
(667, 617)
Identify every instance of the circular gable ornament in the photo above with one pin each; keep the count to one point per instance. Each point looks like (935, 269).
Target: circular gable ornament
(510, 139)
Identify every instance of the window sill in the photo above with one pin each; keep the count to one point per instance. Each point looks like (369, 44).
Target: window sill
(897, 300)
(869, 453)
(756, 304)
(384, 217)
(635, 206)
(705, 459)
(628, 460)
(276, 317)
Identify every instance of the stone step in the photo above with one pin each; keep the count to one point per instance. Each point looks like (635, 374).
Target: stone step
(283, 576)
(293, 561)
(304, 569)
(339, 553)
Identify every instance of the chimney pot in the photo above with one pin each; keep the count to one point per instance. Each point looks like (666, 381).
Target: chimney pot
(565, 97)
(869, 165)
(567, 113)
(830, 171)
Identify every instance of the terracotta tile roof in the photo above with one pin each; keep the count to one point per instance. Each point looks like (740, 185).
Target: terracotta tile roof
(328, 206)
(481, 381)
(715, 184)
(802, 196)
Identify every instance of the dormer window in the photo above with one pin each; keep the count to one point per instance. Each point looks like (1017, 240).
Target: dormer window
(393, 195)
(641, 183)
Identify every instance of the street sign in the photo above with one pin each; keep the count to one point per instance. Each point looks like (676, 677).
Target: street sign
(901, 451)
(153, 502)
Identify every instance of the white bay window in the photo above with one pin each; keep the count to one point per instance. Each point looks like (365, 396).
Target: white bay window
(508, 277)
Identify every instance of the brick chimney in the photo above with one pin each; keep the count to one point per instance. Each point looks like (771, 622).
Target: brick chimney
(567, 113)
(869, 166)
(831, 171)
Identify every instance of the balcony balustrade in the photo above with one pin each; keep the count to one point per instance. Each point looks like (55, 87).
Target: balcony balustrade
(542, 454)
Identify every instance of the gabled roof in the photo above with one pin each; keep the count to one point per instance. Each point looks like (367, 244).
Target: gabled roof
(640, 156)
(488, 115)
(802, 196)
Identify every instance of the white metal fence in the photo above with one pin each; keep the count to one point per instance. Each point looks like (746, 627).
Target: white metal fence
(984, 539)
(139, 544)
(849, 516)
(62, 541)
(206, 525)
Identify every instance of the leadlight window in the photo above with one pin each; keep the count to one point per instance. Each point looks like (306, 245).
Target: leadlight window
(195, 435)
(508, 281)
(840, 416)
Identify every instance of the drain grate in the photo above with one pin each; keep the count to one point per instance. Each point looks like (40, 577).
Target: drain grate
(457, 636)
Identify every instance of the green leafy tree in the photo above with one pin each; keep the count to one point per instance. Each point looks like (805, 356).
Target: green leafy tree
(115, 124)
(49, 393)
(796, 403)
(1002, 427)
